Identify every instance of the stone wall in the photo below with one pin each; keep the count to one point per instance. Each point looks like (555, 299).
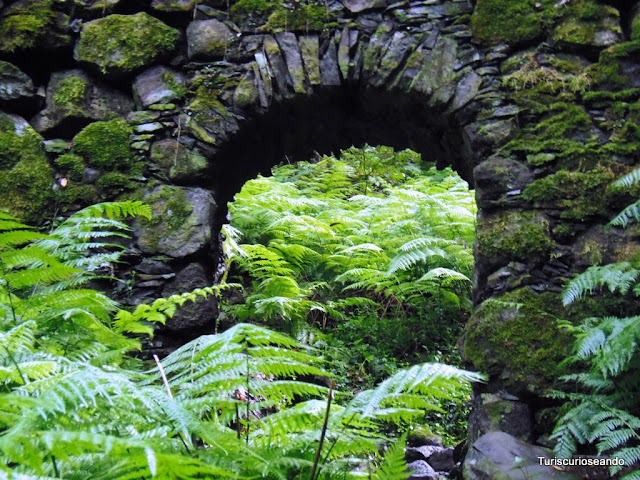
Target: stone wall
(179, 102)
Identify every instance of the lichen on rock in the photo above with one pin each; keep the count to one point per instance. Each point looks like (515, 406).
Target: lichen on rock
(181, 221)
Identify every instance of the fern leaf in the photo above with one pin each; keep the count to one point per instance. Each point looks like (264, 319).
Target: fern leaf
(394, 465)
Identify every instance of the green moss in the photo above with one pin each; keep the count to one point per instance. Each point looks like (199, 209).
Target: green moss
(576, 32)
(310, 16)
(176, 87)
(71, 166)
(13, 146)
(514, 235)
(105, 145)
(608, 71)
(75, 196)
(25, 174)
(579, 194)
(516, 338)
(275, 15)
(635, 27)
(114, 183)
(125, 42)
(242, 8)
(586, 19)
(171, 212)
(70, 93)
(509, 21)
(607, 96)
(25, 24)
(554, 133)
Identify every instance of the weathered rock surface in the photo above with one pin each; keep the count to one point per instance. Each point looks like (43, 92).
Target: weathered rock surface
(74, 98)
(16, 88)
(191, 316)
(177, 162)
(208, 39)
(499, 456)
(181, 221)
(158, 85)
(500, 412)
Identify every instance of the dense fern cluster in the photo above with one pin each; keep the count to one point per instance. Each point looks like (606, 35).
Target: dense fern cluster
(75, 405)
(606, 409)
(376, 245)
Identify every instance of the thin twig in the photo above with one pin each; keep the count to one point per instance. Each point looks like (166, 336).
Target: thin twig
(324, 430)
(164, 377)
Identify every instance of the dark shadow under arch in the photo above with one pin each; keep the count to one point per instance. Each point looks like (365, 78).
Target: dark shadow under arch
(332, 119)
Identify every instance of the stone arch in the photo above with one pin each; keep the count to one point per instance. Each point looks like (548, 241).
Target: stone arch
(532, 102)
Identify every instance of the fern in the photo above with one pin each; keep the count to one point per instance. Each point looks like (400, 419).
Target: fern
(606, 413)
(394, 466)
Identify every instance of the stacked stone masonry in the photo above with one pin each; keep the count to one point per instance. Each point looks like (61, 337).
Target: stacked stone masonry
(179, 102)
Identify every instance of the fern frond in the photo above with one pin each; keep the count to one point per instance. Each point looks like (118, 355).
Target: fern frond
(618, 277)
(394, 465)
(629, 214)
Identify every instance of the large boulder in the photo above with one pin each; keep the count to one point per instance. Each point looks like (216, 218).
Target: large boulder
(181, 221)
(515, 339)
(499, 456)
(200, 314)
(74, 98)
(122, 44)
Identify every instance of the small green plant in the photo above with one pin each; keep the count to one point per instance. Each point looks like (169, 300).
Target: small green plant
(245, 403)
(606, 410)
(368, 255)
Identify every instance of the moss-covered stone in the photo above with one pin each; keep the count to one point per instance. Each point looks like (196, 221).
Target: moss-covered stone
(580, 195)
(105, 145)
(210, 120)
(509, 21)
(635, 25)
(514, 235)
(275, 15)
(25, 174)
(522, 21)
(113, 183)
(591, 25)
(310, 16)
(516, 339)
(71, 166)
(178, 162)
(24, 24)
(70, 93)
(181, 220)
(75, 196)
(124, 43)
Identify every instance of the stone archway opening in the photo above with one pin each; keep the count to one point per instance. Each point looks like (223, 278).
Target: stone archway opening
(333, 119)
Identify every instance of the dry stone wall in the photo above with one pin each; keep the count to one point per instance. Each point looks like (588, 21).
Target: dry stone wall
(179, 102)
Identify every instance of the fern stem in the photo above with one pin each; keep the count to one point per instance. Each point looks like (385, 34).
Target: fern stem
(15, 364)
(316, 460)
(183, 435)
(162, 374)
(248, 394)
(55, 466)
